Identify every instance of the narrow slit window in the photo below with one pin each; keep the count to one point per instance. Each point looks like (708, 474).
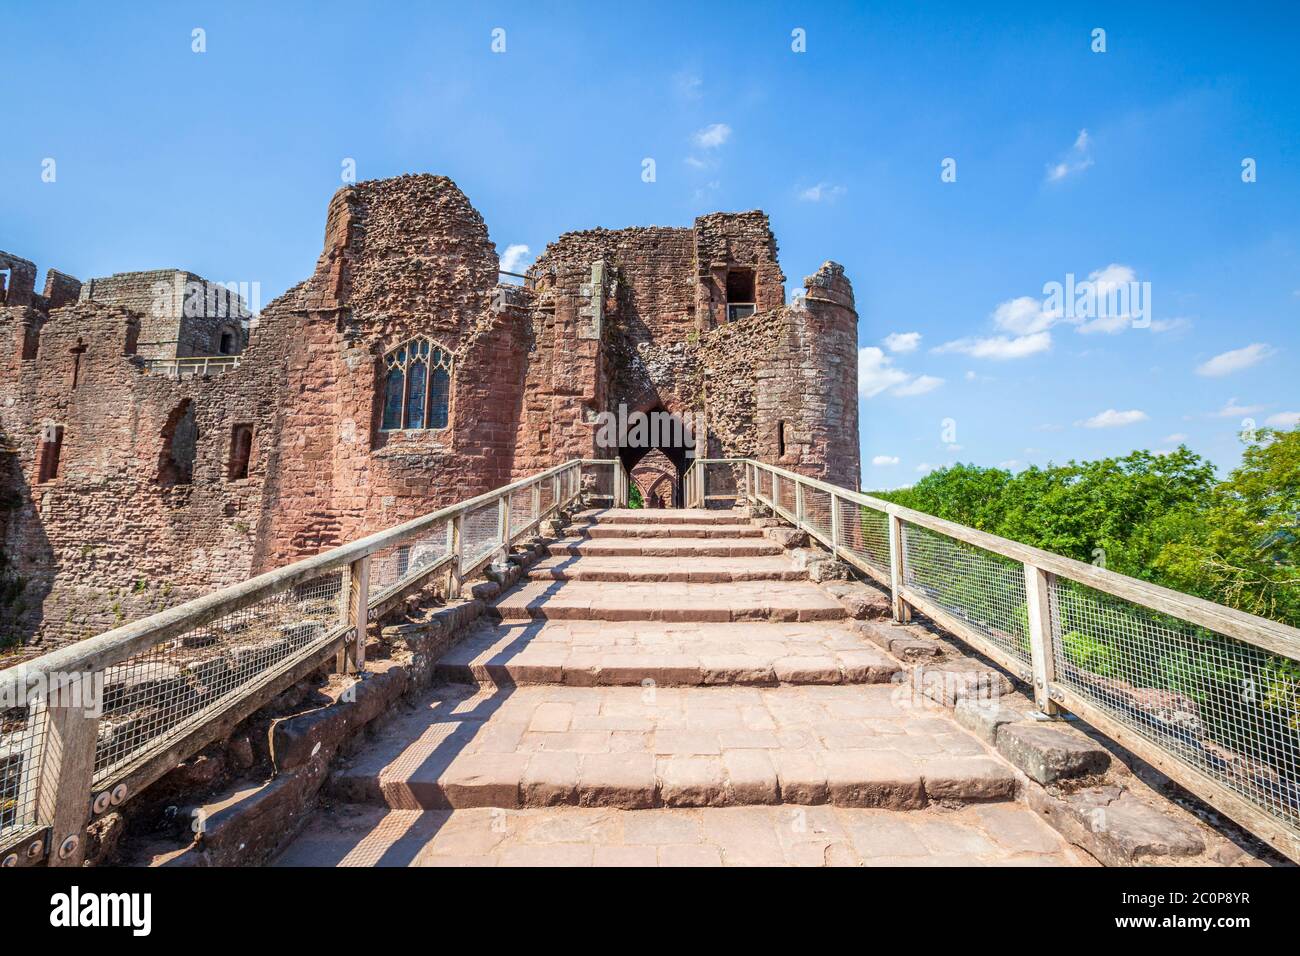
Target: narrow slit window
(780, 439)
(241, 451)
(51, 450)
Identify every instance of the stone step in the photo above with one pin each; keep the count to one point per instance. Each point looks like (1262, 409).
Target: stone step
(729, 531)
(590, 653)
(636, 601)
(986, 834)
(665, 547)
(633, 748)
(674, 516)
(694, 570)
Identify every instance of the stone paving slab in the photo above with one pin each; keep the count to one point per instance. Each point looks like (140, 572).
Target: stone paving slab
(647, 530)
(696, 516)
(627, 747)
(639, 601)
(688, 569)
(590, 653)
(665, 547)
(983, 835)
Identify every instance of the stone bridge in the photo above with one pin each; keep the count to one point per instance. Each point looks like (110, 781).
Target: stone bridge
(629, 687)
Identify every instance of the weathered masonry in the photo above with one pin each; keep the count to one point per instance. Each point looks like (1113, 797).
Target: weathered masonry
(154, 445)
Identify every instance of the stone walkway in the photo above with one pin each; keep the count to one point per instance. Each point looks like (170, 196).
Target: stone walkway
(664, 700)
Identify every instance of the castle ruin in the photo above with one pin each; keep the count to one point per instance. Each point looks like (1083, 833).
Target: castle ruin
(155, 444)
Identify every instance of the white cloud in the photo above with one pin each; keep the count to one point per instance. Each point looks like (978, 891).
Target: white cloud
(1283, 420)
(1234, 361)
(918, 386)
(1076, 161)
(696, 163)
(1177, 438)
(902, 342)
(1000, 347)
(689, 85)
(713, 136)
(1023, 316)
(515, 256)
(1232, 410)
(1011, 464)
(885, 460)
(877, 373)
(822, 192)
(923, 468)
(1106, 324)
(1169, 325)
(1113, 419)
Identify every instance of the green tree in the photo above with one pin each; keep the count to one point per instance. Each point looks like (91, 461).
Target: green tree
(1243, 548)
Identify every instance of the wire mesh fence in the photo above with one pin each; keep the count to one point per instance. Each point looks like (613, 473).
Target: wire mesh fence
(983, 589)
(408, 557)
(722, 479)
(521, 511)
(22, 733)
(786, 492)
(864, 532)
(817, 511)
(1227, 708)
(764, 485)
(181, 681)
(598, 479)
(480, 533)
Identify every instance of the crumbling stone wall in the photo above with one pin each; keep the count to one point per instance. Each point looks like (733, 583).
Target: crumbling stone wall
(181, 314)
(133, 521)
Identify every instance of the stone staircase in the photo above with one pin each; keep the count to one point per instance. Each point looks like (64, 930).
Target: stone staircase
(668, 674)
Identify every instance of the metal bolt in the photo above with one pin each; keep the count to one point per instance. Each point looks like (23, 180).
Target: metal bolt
(69, 846)
(101, 802)
(10, 861)
(119, 794)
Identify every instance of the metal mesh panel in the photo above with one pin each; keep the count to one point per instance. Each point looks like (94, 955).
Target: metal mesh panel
(22, 731)
(548, 494)
(598, 479)
(480, 533)
(865, 532)
(179, 682)
(720, 480)
(1227, 708)
(409, 556)
(521, 510)
(817, 510)
(785, 488)
(984, 589)
(765, 486)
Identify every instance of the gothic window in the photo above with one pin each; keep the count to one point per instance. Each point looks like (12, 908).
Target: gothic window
(417, 386)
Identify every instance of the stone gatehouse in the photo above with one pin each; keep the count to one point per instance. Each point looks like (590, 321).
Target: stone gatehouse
(149, 452)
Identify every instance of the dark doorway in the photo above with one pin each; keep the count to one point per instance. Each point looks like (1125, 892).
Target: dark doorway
(657, 429)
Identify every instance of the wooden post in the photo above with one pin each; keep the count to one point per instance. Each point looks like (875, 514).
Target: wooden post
(835, 526)
(68, 768)
(798, 503)
(355, 613)
(457, 545)
(897, 544)
(503, 521)
(536, 504)
(776, 492)
(1038, 590)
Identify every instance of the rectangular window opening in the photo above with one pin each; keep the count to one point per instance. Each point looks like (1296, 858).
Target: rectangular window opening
(51, 450)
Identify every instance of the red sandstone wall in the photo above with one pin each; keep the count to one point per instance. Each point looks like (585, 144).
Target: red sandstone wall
(628, 316)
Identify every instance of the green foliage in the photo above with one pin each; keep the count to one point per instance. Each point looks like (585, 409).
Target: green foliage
(634, 499)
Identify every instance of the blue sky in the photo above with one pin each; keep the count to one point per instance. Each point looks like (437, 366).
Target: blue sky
(1126, 163)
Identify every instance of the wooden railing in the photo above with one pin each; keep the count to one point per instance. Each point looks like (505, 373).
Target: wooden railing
(92, 724)
(1206, 693)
